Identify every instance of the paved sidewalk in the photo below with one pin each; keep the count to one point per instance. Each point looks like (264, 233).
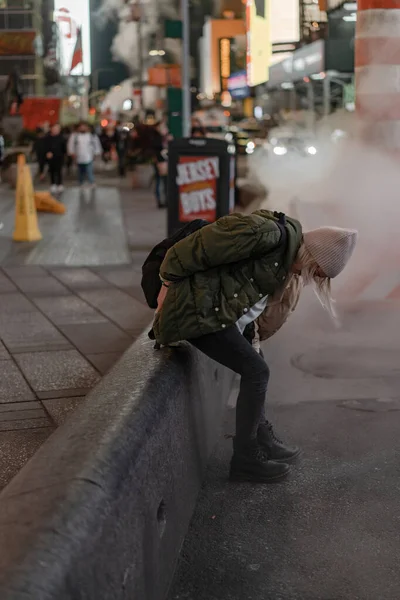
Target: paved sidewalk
(62, 328)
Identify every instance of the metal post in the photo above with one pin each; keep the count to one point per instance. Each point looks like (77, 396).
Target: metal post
(327, 95)
(186, 108)
(311, 106)
(85, 100)
(140, 56)
(96, 80)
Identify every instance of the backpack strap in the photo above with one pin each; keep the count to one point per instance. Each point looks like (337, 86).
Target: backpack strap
(281, 223)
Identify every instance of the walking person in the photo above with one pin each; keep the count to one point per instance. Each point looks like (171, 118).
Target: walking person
(233, 275)
(66, 132)
(121, 147)
(55, 151)
(133, 154)
(39, 150)
(160, 165)
(107, 141)
(84, 146)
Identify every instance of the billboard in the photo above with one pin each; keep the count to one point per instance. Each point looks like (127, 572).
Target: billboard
(237, 86)
(285, 21)
(17, 43)
(197, 178)
(164, 75)
(72, 16)
(258, 34)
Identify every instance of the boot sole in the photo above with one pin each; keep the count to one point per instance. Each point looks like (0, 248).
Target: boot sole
(288, 460)
(243, 478)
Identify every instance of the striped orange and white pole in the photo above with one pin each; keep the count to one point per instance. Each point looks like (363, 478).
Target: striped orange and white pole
(377, 67)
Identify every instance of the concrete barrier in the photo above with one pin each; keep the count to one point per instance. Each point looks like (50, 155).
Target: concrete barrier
(100, 512)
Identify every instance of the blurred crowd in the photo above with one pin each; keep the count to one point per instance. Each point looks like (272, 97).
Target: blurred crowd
(61, 150)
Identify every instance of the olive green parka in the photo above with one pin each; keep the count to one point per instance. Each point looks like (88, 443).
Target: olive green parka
(219, 272)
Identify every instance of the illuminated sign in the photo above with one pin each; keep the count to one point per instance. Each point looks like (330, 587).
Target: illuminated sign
(17, 43)
(72, 16)
(224, 62)
(258, 41)
(285, 21)
(237, 85)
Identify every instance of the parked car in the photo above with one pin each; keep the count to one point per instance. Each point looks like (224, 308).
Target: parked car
(243, 142)
(292, 144)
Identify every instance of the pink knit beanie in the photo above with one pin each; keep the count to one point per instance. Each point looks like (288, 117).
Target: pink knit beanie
(331, 247)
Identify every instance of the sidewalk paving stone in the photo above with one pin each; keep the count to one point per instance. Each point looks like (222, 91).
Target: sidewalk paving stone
(119, 307)
(6, 285)
(15, 304)
(40, 286)
(3, 353)
(61, 408)
(30, 332)
(104, 362)
(68, 310)
(120, 277)
(25, 271)
(80, 279)
(26, 423)
(13, 387)
(92, 338)
(17, 447)
(58, 374)
(13, 411)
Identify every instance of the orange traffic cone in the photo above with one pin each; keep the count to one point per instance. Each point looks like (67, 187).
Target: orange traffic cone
(46, 203)
(26, 224)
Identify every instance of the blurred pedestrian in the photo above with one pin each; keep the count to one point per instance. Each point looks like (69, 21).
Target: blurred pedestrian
(134, 151)
(66, 132)
(121, 147)
(84, 146)
(108, 142)
(55, 151)
(198, 132)
(198, 129)
(39, 150)
(159, 144)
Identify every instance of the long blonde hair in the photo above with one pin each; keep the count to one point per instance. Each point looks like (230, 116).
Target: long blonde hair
(321, 285)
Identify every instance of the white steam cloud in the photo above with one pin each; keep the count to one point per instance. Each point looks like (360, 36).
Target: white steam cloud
(125, 46)
(349, 184)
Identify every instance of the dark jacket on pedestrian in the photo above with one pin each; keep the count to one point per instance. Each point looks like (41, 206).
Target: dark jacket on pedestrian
(157, 145)
(121, 142)
(218, 273)
(107, 142)
(57, 146)
(39, 147)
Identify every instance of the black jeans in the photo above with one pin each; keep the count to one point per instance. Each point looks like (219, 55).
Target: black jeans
(55, 170)
(121, 164)
(231, 349)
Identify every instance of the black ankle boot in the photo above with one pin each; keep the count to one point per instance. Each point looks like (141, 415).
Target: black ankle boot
(250, 463)
(274, 448)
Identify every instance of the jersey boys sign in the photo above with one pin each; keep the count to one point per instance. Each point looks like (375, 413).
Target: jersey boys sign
(197, 179)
